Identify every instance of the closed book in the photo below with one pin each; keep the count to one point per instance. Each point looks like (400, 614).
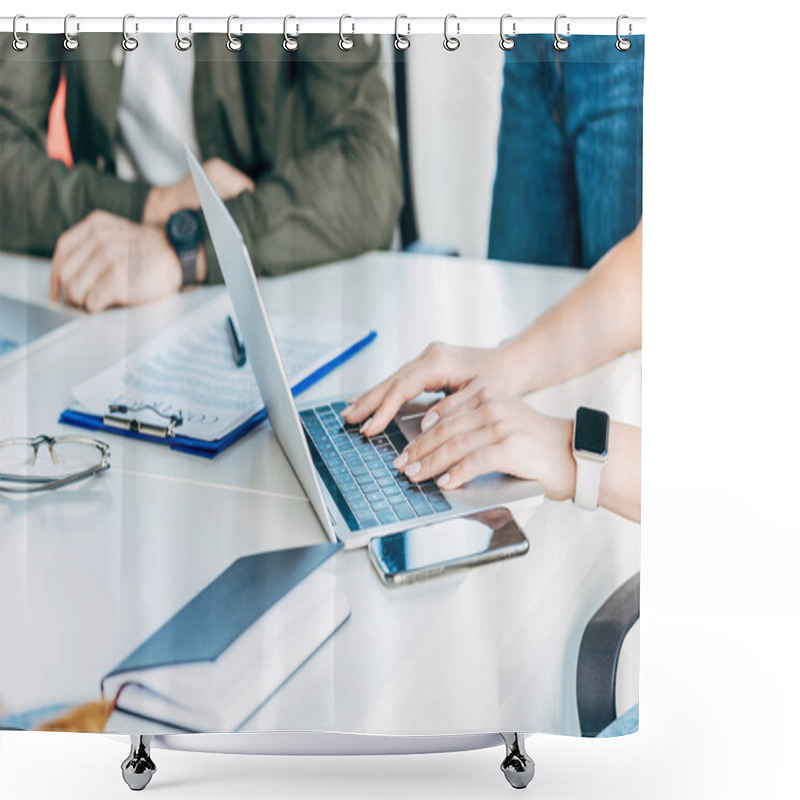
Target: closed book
(230, 648)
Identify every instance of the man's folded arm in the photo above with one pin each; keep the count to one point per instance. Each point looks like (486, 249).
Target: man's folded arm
(40, 197)
(342, 195)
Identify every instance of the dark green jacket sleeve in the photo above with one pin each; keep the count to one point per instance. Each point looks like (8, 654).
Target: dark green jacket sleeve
(334, 190)
(40, 197)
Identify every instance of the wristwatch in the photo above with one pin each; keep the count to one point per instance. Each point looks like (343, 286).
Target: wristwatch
(185, 233)
(590, 451)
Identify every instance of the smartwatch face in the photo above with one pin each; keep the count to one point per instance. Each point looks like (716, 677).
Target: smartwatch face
(591, 431)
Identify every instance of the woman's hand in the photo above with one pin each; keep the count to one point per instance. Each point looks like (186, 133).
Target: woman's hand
(439, 367)
(482, 430)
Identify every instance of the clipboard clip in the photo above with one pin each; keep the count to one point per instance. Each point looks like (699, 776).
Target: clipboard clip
(138, 426)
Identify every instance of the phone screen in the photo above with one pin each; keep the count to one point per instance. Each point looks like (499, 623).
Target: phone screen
(432, 549)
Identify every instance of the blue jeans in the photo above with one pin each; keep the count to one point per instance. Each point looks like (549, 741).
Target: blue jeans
(623, 725)
(569, 167)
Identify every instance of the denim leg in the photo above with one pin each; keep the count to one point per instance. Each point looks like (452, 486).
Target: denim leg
(534, 205)
(624, 725)
(603, 121)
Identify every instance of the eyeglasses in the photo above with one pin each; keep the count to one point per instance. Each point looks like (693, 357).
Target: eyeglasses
(71, 458)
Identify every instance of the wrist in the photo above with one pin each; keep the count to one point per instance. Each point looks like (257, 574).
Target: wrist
(568, 468)
(553, 464)
(154, 205)
(202, 265)
(515, 367)
(172, 262)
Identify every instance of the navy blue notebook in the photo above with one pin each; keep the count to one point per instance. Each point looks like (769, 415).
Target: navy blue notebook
(263, 617)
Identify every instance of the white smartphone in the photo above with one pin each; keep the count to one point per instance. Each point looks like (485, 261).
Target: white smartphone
(443, 546)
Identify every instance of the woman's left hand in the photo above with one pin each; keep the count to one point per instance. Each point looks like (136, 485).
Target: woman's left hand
(483, 430)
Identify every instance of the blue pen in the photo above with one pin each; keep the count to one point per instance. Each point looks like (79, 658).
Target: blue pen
(237, 348)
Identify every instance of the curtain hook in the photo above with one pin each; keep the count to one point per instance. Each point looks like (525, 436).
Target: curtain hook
(559, 42)
(401, 42)
(451, 43)
(182, 42)
(506, 42)
(623, 44)
(233, 44)
(129, 43)
(290, 44)
(70, 42)
(19, 43)
(345, 42)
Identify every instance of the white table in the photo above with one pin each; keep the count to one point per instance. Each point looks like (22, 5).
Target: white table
(89, 571)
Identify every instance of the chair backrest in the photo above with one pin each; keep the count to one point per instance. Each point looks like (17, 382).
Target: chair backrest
(598, 657)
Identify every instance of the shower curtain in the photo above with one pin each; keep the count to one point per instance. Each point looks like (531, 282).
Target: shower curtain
(456, 225)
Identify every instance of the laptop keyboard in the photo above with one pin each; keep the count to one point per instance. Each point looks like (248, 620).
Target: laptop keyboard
(358, 471)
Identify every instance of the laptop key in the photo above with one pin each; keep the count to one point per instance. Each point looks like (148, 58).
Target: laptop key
(404, 512)
(386, 517)
(420, 504)
(367, 520)
(440, 504)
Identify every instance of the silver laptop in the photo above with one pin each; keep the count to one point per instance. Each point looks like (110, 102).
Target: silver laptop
(22, 322)
(349, 478)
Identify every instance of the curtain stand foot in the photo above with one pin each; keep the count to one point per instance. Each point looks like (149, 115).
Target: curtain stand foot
(517, 766)
(138, 768)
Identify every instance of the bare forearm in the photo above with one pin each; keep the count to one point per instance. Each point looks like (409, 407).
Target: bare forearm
(621, 482)
(598, 321)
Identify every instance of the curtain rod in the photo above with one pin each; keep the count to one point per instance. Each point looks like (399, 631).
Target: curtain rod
(406, 26)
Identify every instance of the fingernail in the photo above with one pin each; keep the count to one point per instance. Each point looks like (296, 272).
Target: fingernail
(414, 468)
(429, 420)
(401, 460)
(363, 428)
(348, 410)
(444, 480)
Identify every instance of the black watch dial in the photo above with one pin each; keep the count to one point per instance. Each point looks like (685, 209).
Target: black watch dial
(591, 431)
(184, 230)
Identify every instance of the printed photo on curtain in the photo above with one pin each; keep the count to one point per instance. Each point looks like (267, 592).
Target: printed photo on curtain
(321, 385)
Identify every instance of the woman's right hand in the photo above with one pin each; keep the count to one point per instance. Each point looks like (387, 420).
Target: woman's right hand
(440, 367)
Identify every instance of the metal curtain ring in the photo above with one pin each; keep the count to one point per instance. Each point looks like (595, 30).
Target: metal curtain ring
(345, 42)
(182, 42)
(401, 42)
(129, 43)
(451, 43)
(70, 42)
(623, 44)
(559, 42)
(19, 43)
(233, 44)
(506, 42)
(289, 43)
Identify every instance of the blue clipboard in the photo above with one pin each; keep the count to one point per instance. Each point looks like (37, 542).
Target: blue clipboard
(209, 449)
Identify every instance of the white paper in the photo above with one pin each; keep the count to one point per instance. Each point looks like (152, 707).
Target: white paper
(189, 370)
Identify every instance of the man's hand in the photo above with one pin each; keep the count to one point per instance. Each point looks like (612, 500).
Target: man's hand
(163, 201)
(107, 260)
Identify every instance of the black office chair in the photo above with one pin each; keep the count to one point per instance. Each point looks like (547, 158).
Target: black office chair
(598, 657)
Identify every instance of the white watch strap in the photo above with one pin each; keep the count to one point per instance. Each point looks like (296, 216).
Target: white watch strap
(587, 482)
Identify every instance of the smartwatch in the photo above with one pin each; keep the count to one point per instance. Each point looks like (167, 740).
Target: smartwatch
(185, 234)
(590, 451)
